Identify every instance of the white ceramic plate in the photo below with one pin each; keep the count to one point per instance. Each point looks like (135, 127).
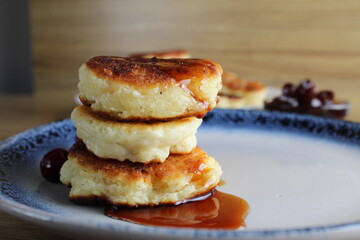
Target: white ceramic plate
(300, 175)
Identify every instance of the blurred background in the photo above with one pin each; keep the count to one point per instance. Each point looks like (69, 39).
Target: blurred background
(43, 42)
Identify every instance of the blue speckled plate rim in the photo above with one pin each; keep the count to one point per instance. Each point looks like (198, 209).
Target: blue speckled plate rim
(339, 131)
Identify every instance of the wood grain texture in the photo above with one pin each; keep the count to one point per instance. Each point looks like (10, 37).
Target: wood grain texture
(271, 41)
(14, 229)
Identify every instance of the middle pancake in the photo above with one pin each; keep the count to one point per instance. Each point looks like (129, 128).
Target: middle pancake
(134, 141)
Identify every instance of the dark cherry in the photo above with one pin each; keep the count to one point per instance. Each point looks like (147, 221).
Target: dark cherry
(51, 164)
(305, 91)
(304, 99)
(288, 90)
(283, 103)
(325, 96)
(306, 85)
(315, 103)
(309, 99)
(314, 107)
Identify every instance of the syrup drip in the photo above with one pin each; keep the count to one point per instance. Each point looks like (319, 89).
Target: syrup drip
(219, 211)
(184, 84)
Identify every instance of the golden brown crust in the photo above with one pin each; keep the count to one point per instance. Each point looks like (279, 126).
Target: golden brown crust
(234, 83)
(151, 71)
(178, 53)
(175, 164)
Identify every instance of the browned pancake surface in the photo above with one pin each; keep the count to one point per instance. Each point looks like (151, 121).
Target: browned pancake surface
(151, 71)
(175, 165)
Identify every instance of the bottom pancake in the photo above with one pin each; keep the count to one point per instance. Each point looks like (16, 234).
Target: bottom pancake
(179, 178)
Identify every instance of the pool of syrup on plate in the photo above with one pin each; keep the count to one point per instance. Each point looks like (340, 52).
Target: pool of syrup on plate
(214, 210)
(217, 211)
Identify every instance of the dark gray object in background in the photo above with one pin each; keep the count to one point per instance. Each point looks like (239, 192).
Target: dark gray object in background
(15, 47)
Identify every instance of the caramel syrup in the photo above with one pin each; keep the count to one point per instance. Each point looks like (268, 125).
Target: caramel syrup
(219, 211)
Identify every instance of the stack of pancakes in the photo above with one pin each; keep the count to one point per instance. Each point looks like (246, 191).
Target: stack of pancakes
(136, 131)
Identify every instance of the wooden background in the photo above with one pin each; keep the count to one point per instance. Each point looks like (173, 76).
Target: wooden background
(271, 41)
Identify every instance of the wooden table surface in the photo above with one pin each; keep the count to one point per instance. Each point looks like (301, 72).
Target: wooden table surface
(21, 112)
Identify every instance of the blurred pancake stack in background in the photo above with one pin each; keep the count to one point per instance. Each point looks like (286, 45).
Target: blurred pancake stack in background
(136, 131)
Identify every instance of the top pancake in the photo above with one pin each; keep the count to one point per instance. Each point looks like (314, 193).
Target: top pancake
(128, 88)
(147, 72)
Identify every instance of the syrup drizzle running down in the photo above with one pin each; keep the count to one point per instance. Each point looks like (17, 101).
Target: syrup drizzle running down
(219, 211)
(184, 84)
